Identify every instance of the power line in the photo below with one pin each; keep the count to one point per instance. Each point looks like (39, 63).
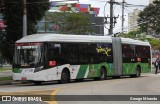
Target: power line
(134, 5)
(127, 10)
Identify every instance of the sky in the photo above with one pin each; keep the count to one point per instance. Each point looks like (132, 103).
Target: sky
(117, 10)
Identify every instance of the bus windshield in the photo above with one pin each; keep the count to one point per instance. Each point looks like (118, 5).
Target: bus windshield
(28, 55)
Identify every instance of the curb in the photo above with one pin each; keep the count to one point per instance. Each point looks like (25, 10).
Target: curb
(12, 82)
(8, 82)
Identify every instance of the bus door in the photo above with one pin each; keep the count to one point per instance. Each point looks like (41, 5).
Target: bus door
(117, 56)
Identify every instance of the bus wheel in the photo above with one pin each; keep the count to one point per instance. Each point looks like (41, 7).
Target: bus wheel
(65, 77)
(138, 72)
(37, 82)
(103, 74)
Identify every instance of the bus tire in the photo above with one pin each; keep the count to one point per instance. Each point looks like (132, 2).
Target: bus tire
(138, 72)
(65, 77)
(37, 82)
(103, 74)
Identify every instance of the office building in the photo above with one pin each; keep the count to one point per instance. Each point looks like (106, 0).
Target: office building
(92, 12)
(132, 20)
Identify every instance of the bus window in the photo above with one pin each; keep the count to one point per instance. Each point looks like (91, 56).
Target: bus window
(82, 53)
(128, 52)
(72, 54)
(143, 52)
(105, 53)
(54, 53)
(92, 54)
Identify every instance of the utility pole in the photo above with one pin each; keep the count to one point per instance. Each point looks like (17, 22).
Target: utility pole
(45, 19)
(122, 30)
(111, 17)
(24, 18)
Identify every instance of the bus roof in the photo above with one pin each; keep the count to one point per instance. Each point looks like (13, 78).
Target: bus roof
(76, 38)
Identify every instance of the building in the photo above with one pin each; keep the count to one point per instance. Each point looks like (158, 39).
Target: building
(132, 20)
(151, 1)
(97, 22)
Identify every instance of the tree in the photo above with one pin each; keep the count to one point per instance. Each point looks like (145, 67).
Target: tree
(71, 23)
(149, 18)
(132, 34)
(12, 11)
(155, 43)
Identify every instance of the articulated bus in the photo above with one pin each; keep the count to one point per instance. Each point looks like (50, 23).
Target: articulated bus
(61, 57)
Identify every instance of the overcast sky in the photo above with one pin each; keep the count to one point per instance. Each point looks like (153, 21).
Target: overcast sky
(117, 10)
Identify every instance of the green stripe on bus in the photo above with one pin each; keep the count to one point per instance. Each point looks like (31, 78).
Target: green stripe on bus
(109, 68)
(130, 68)
(82, 71)
(94, 70)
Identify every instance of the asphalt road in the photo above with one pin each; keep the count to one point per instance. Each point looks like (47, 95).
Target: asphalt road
(147, 84)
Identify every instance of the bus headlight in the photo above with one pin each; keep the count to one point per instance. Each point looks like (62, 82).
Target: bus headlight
(38, 69)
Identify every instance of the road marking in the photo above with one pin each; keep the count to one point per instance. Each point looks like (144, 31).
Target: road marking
(53, 93)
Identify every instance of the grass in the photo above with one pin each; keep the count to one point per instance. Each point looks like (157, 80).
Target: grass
(5, 78)
(4, 69)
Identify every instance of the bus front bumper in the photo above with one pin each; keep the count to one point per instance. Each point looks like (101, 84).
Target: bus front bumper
(39, 76)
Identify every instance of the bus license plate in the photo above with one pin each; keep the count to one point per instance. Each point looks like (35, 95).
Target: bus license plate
(23, 78)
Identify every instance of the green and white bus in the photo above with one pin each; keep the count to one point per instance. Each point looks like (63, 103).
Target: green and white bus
(61, 57)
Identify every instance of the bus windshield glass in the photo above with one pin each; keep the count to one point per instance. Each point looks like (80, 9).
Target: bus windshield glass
(28, 55)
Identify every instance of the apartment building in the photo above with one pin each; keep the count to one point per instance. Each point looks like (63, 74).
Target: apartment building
(151, 1)
(132, 20)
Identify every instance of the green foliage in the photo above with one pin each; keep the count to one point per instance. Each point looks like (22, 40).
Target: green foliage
(12, 11)
(4, 69)
(71, 23)
(131, 34)
(149, 18)
(5, 78)
(155, 43)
